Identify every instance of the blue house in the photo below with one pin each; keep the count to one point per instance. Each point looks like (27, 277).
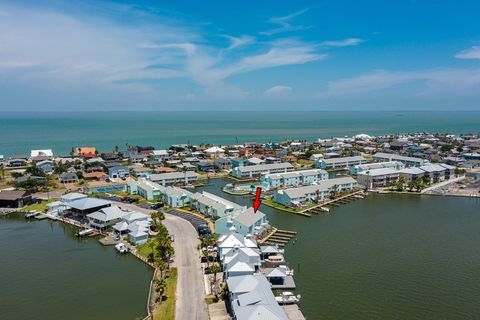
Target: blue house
(118, 172)
(205, 166)
(237, 162)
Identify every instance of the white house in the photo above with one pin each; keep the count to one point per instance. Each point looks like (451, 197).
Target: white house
(244, 221)
(215, 152)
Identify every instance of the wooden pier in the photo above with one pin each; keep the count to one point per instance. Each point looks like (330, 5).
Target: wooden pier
(279, 237)
(345, 199)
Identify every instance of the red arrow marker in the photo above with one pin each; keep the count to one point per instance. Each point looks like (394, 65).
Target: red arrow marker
(257, 201)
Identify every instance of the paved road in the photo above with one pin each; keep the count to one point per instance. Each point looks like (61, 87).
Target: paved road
(190, 286)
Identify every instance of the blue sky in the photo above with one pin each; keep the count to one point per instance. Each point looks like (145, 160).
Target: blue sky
(239, 55)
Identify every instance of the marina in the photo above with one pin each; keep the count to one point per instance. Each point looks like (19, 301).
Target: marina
(381, 235)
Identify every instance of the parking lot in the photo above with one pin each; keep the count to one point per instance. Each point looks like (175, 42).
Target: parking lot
(195, 221)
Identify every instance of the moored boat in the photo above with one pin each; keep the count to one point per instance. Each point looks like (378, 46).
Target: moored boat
(121, 247)
(85, 232)
(287, 297)
(31, 214)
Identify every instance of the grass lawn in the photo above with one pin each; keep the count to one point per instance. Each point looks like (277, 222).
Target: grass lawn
(145, 249)
(166, 309)
(41, 206)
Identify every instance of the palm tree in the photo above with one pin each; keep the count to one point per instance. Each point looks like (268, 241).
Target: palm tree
(161, 266)
(206, 255)
(215, 269)
(160, 285)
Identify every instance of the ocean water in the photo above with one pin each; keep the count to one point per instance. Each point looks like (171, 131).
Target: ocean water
(22, 132)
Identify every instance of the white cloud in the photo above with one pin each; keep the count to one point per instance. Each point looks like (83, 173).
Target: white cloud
(284, 24)
(342, 43)
(471, 53)
(238, 42)
(453, 82)
(277, 90)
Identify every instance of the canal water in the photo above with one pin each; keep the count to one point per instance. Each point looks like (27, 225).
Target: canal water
(48, 273)
(384, 257)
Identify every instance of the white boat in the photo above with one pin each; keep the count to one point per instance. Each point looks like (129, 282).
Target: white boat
(31, 214)
(325, 209)
(287, 297)
(358, 196)
(121, 247)
(287, 270)
(85, 232)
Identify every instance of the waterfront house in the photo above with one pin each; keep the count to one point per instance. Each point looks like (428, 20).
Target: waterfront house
(85, 152)
(245, 221)
(46, 166)
(251, 297)
(407, 161)
(16, 162)
(340, 163)
(378, 178)
(301, 196)
(248, 172)
(138, 232)
(68, 177)
(87, 205)
(14, 198)
(240, 262)
(211, 205)
(223, 164)
(295, 178)
(185, 178)
(118, 172)
(106, 217)
(42, 153)
(233, 239)
(205, 166)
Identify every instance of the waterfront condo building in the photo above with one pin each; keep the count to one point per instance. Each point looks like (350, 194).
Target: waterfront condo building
(407, 161)
(295, 178)
(378, 178)
(340, 163)
(397, 165)
(247, 172)
(166, 179)
(301, 196)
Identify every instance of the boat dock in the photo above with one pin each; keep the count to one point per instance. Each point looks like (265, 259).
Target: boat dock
(325, 207)
(293, 312)
(279, 237)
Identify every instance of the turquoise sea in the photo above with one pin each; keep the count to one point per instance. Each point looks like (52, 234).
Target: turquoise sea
(21, 132)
